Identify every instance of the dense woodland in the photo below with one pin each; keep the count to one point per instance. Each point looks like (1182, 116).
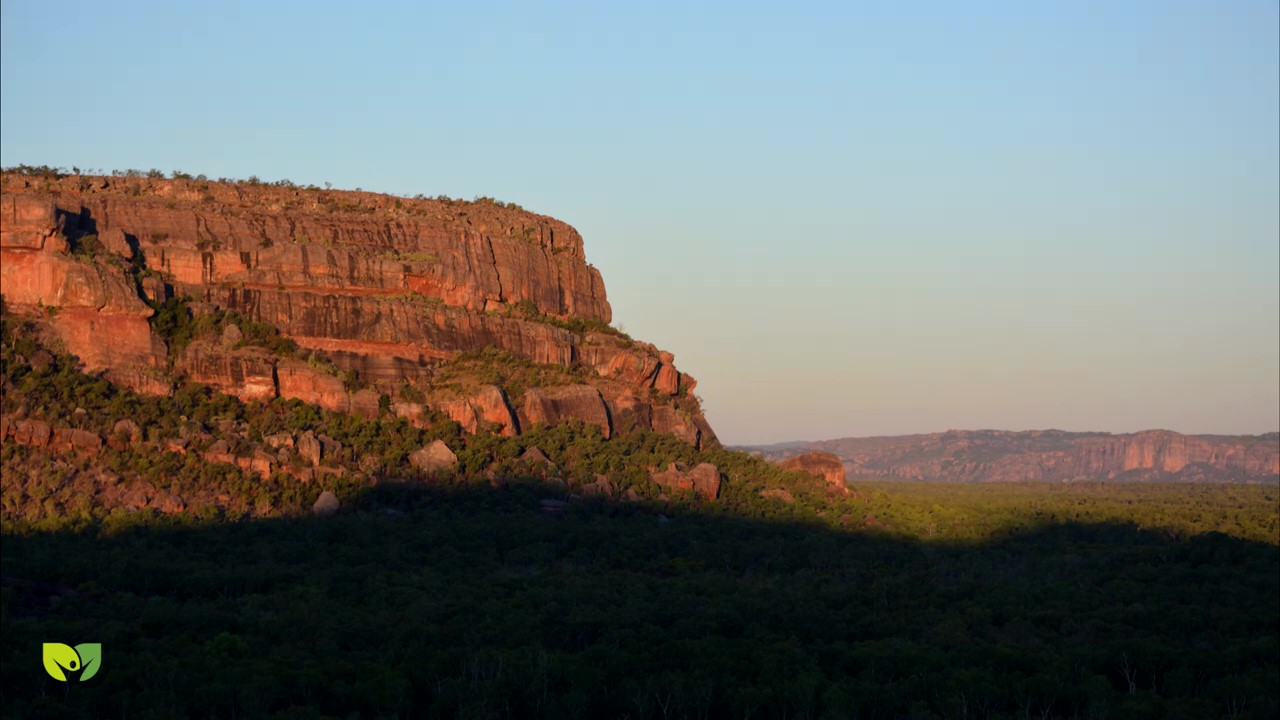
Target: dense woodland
(463, 595)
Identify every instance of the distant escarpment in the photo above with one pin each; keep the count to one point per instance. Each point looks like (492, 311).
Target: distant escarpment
(354, 301)
(1053, 455)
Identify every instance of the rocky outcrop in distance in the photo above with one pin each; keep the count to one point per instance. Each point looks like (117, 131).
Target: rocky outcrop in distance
(384, 289)
(825, 465)
(1050, 455)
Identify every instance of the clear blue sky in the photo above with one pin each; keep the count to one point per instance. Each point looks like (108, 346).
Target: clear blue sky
(843, 218)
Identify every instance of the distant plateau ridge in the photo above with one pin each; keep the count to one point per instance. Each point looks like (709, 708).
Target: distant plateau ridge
(1049, 455)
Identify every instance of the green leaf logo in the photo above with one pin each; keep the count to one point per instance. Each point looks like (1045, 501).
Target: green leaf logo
(90, 659)
(58, 656)
(85, 658)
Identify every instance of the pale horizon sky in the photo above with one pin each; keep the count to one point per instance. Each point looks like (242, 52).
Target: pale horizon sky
(844, 219)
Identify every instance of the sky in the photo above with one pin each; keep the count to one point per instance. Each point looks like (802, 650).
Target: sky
(864, 218)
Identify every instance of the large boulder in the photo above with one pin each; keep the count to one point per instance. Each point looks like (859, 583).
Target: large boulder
(601, 487)
(706, 481)
(218, 452)
(433, 457)
(777, 494)
(35, 433)
(703, 480)
(128, 429)
(551, 406)
(279, 440)
(309, 447)
(123, 434)
(534, 456)
(327, 504)
(331, 447)
(261, 463)
(486, 407)
(66, 439)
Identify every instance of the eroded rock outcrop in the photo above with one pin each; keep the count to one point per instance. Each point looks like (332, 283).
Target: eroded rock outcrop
(486, 409)
(247, 375)
(434, 457)
(703, 480)
(90, 303)
(555, 405)
(299, 381)
(385, 289)
(536, 458)
(825, 465)
(40, 434)
(326, 505)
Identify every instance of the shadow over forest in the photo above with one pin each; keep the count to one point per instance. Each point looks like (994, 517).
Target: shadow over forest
(415, 602)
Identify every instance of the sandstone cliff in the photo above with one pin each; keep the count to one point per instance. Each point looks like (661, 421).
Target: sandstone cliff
(1000, 456)
(826, 465)
(395, 304)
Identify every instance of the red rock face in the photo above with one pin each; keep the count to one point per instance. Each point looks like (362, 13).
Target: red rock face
(997, 456)
(471, 256)
(249, 377)
(703, 480)
(825, 465)
(556, 405)
(487, 407)
(27, 222)
(299, 381)
(384, 287)
(93, 306)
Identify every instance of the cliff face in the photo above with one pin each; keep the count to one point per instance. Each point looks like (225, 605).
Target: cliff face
(384, 289)
(91, 306)
(997, 456)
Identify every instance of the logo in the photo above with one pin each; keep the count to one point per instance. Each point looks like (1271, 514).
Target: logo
(84, 658)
